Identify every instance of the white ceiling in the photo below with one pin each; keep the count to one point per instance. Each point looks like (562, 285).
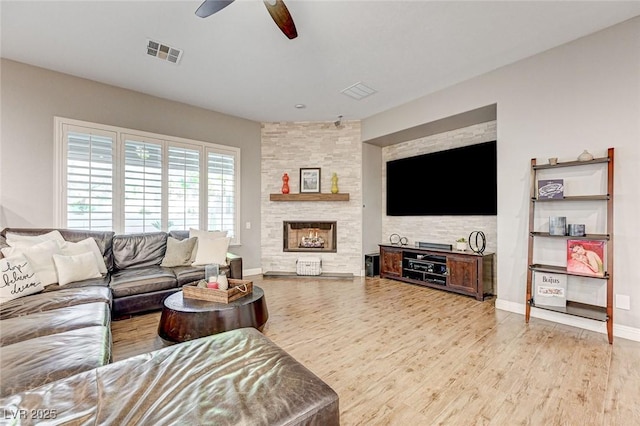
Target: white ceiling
(238, 62)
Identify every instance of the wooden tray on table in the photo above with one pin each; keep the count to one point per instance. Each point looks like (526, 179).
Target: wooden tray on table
(236, 290)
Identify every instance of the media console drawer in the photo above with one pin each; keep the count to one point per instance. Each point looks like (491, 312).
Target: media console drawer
(463, 272)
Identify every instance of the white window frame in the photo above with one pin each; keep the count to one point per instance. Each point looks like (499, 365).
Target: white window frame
(60, 170)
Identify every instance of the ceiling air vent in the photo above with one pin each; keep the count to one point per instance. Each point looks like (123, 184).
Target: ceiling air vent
(358, 91)
(164, 52)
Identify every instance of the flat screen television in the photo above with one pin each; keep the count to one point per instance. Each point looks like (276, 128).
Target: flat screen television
(455, 182)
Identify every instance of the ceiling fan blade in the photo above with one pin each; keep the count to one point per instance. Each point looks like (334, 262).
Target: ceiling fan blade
(209, 7)
(282, 17)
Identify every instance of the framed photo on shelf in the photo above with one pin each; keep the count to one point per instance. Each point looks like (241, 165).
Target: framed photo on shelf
(550, 189)
(310, 180)
(585, 257)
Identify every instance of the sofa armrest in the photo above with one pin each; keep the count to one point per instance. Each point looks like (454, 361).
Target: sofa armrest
(235, 266)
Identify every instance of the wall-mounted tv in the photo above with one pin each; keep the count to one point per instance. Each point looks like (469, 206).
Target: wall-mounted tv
(455, 182)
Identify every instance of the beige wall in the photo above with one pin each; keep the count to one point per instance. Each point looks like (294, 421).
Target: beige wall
(582, 95)
(32, 96)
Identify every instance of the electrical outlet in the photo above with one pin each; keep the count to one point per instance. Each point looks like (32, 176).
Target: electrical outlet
(623, 302)
(247, 225)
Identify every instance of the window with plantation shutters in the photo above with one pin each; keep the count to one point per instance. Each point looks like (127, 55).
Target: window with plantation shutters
(183, 188)
(89, 184)
(221, 192)
(111, 178)
(142, 186)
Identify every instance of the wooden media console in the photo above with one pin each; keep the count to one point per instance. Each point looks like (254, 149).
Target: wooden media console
(463, 272)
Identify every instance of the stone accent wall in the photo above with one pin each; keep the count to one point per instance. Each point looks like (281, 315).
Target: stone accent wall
(286, 147)
(438, 229)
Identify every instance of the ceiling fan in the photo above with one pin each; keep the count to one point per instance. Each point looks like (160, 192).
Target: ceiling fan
(277, 9)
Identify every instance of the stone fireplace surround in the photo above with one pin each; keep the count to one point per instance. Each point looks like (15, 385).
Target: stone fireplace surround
(287, 147)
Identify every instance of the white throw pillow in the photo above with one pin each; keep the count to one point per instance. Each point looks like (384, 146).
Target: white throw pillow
(40, 257)
(17, 278)
(88, 245)
(199, 234)
(76, 268)
(212, 251)
(17, 240)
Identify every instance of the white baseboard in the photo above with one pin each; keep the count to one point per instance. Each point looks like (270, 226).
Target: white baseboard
(622, 331)
(253, 271)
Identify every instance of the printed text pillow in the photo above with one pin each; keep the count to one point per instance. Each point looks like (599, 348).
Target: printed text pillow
(17, 278)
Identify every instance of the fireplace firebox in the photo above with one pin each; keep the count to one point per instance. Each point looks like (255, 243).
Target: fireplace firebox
(310, 236)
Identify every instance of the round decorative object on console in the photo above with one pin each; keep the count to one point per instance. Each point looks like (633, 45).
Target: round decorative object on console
(475, 245)
(397, 240)
(585, 156)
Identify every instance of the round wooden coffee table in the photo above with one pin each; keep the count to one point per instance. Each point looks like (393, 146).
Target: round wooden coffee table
(185, 319)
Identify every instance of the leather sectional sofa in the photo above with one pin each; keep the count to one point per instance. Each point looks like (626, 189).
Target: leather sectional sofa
(55, 353)
(135, 278)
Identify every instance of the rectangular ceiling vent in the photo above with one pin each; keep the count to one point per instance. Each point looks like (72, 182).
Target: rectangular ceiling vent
(358, 91)
(164, 52)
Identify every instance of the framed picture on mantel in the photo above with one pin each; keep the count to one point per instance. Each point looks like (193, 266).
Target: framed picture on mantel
(310, 180)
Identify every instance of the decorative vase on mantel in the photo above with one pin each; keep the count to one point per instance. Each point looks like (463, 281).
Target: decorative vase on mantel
(334, 183)
(285, 183)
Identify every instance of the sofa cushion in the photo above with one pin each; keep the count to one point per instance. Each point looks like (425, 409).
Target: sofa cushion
(59, 320)
(44, 359)
(178, 252)
(190, 274)
(212, 251)
(204, 235)
(139, 250)
(102, 281)
(74, 398)
(77, 267)
(47, 301)
(19, 240)
(69, 248)
(141, 280)
(232, 378)
(17, 279)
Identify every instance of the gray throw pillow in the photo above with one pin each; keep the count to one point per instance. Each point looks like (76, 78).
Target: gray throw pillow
(178, 252)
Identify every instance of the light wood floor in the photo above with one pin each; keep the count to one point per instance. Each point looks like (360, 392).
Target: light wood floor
(399, 354)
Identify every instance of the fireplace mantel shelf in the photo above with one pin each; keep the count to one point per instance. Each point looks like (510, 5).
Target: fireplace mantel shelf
(309, 197)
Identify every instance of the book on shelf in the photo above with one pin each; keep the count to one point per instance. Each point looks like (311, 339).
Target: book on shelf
(550, 188)
(585, 257)
(550, 289)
